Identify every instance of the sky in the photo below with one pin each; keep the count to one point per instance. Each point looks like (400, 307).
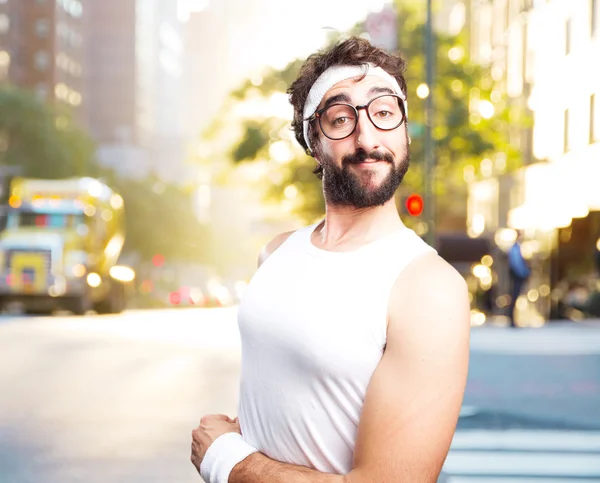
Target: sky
(299, 27)
(304, 24)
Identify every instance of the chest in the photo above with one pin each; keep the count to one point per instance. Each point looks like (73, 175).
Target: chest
(313, 316)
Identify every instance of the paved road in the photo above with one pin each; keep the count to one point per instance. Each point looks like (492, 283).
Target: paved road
(550, 374)
(532, 407)
(113, 398)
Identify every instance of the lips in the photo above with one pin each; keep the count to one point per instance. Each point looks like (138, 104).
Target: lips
(362, 157)
(370, 161)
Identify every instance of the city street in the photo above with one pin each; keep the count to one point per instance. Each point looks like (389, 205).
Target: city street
(114, 398)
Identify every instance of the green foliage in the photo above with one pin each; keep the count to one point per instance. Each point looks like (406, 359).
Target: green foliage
(41, 139)
(255, 137)
(271, 81)
(159, 219)
(461, 139)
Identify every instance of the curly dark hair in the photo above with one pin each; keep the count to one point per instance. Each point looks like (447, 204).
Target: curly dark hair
(353, 51)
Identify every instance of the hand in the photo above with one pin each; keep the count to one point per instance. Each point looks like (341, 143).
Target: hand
(210, 428)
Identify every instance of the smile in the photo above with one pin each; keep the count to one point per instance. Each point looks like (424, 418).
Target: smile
(370, 161)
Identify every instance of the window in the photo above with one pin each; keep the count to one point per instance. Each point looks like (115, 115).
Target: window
(42, 28)
(4, 23)
(526, 5)
(41, 60)
(593, 17)
(48, 220)
(566, 132)
(4, 64)
(568, 37)
(525, 54)
(42, 91)
(75, 39)
(74, 7)
(594, 124)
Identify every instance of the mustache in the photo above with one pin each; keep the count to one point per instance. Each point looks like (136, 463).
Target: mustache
(361, 156)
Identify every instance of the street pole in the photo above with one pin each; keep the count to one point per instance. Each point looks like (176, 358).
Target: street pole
(429, 201)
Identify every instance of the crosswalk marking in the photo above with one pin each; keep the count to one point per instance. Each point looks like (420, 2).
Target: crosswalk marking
(519, 456)
(520, 463)
(479, 479)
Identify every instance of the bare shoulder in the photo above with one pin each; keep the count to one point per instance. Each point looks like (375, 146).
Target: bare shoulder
(432, 291)
(273, 245)
(432, 271)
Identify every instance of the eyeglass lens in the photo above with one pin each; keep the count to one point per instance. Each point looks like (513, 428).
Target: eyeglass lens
(339, 120)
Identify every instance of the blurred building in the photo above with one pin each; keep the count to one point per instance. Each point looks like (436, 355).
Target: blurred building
(111, 71)
(450, 16)
(135, 85)
(160, 86)
(42, 49)
(539, 55)
(206, 68)
(222, 47)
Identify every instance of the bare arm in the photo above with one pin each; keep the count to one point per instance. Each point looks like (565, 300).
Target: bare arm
(413, 401)
(257, 468)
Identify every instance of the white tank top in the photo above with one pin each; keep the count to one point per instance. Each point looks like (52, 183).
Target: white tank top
(313, 329)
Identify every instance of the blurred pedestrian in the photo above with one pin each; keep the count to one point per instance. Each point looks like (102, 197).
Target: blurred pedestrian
(355, 333)
(519, 272)
(597, 254)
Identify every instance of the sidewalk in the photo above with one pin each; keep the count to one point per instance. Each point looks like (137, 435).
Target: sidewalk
(502, 321)
(555, 337)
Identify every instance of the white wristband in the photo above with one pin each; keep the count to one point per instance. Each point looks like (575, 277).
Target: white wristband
(222, 455)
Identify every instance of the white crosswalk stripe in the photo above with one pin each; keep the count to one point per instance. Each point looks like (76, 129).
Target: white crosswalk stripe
(523, 456)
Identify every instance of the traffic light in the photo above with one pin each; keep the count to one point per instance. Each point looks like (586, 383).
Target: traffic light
(414, 204)
(158, 260)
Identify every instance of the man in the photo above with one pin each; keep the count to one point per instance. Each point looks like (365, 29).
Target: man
(519, 272)
(355, 334)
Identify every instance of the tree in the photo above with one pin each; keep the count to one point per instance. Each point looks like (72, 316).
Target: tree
(472, 123)
(159, 218)
(44, 141)
(472, 120)
(41, 139)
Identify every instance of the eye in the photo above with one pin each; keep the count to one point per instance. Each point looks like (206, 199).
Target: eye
(383, 114)
(340, 121)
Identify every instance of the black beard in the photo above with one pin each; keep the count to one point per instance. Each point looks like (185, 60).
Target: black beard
(342, 186)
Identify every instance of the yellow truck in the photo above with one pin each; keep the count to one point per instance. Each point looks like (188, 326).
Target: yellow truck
(61, 245)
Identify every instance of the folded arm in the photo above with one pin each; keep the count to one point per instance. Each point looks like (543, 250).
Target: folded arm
(413, 400)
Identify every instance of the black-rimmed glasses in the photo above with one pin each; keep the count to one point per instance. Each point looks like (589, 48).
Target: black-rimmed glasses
(338, 121)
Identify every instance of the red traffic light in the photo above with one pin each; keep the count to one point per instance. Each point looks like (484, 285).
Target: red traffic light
(158, 260)
(414, 204)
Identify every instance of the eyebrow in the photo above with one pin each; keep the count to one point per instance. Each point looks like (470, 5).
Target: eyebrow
(343, 97)
(380, 90)
(337, 98)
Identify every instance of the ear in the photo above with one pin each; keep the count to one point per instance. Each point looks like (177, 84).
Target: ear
(314, 153)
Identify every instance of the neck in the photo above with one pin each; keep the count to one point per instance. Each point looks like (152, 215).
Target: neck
(348, 227)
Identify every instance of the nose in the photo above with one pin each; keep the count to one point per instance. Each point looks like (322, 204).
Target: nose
(367, 135)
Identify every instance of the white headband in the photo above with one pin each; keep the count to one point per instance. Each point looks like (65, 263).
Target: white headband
(336, 74)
